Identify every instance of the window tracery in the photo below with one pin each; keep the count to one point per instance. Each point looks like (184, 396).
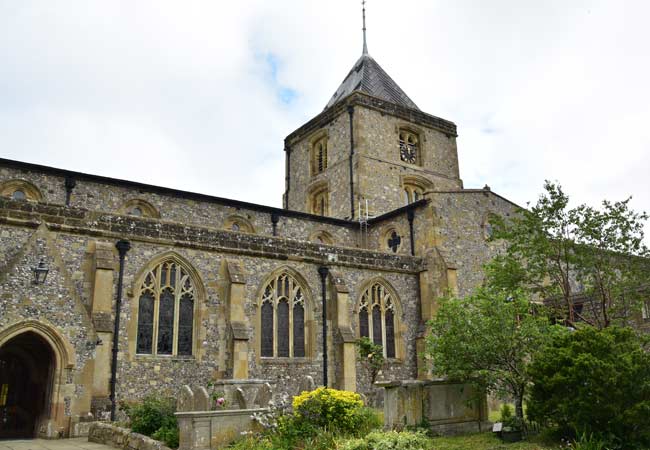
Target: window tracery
(377, 317)
(166, 311)
(283, 318)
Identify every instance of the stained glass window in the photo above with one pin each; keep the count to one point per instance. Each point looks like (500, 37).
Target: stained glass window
(267, 330)
(298, 330)
(378, 325)
(166, 323)
(185, 325)
(145, 323)
(283, 318)
(166, 311)
(390, 333)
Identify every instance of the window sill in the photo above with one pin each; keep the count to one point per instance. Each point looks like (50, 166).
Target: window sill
(145, 356)
(285, 360)
(394, 361)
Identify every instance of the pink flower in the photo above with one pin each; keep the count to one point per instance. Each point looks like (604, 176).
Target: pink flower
(221, 401)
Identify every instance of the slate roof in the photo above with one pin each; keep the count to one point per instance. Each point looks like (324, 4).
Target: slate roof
(367, 76)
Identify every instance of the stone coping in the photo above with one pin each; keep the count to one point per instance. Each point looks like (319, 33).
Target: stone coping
(98, 224)
(237, 382)
(122, 438)
(411, 383)
(219, 413)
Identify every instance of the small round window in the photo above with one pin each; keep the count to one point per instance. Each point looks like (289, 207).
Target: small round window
(18, 195)
(137, 211)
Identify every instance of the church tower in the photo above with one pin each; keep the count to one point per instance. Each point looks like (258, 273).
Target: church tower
(370, 144)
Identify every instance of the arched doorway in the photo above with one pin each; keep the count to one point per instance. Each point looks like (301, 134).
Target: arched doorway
(27, 365)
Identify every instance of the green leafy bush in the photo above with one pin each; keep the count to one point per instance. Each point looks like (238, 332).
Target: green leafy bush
(506, 412)
(588, 442)
(594, 383)
(371, 355)
(319, 419)
(331, 409)
(154, 417)
(168, 435)
(390, 440)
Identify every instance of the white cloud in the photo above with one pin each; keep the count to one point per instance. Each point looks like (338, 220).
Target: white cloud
(199, 95)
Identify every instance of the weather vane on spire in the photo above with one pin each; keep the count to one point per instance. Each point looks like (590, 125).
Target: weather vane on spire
(365, 45)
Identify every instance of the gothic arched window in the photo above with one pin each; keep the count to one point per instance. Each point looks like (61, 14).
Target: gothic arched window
(166, 311)
(377, 317)
(412, 193)
(283, 318)
(320, 203)
(319, 156)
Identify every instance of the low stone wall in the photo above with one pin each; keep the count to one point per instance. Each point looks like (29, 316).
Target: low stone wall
(447, 408)
(104, 433)
(214, 429)
(202, 428)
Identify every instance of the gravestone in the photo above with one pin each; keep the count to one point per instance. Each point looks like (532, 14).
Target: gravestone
(185, 401)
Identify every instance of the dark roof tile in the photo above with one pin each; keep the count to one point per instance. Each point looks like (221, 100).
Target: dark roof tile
(367, 76)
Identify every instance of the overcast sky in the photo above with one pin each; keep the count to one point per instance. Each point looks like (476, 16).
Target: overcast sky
(199, 95)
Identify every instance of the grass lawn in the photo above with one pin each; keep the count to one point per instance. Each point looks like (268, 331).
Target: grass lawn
(487, 441)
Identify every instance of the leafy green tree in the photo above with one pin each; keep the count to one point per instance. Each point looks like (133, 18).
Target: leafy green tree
(559, 253)
(594, 382)
(371, 356)
(487, 340)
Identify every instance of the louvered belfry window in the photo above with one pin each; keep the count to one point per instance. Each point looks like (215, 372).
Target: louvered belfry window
(377, 317)
(166, 311)
(319, 156)
(283, 318)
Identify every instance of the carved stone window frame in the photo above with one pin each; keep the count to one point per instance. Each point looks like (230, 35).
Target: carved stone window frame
(318, 199)
(197, 289)
(318, 152)
(386, 299)
(322, 237)
(414, 188)
(147, 210)
(387, 234)
(30, 191)
(296, 283)
(238, 224)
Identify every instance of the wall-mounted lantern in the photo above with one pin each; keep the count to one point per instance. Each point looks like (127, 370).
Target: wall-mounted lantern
(40, 272)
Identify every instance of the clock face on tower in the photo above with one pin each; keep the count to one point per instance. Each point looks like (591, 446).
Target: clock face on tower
(408, 153)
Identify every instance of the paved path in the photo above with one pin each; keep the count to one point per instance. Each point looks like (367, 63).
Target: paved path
(52, 444)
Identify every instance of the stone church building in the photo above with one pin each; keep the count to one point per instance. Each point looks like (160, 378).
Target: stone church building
(375, 225)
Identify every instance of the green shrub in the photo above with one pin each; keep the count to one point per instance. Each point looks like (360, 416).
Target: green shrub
(168, 435)
(390, 440)
(154, 417)
(594, 383)
(331, 409)
(588, 442)
(506, 412)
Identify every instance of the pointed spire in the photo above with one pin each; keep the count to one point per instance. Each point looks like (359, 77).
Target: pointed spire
(365, 44)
